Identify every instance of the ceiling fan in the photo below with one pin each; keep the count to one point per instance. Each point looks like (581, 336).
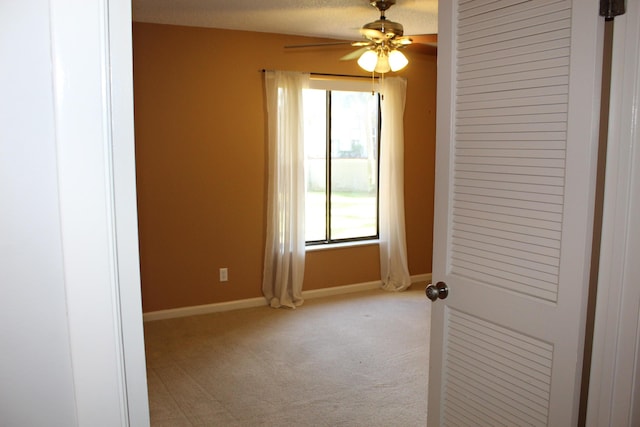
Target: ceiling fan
(379, 52)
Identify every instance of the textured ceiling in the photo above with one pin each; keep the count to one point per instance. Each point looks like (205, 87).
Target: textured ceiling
(339, 19)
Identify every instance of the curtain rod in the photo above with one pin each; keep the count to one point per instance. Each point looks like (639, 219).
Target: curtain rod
(331, 75)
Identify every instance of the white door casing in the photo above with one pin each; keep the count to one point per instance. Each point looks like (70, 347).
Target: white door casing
(92, 79)
(518, 110)
(614, 386)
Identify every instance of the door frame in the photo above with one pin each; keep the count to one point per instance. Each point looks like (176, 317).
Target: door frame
(614, 394)
(92, 80)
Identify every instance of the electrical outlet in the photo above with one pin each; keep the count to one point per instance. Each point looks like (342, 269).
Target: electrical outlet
(224, 274)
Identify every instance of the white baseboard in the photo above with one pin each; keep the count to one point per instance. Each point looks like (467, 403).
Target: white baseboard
(339, 290)
(419, 278)
(204, 309)
(261, 301)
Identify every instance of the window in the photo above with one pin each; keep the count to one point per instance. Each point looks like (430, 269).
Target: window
(342, 128)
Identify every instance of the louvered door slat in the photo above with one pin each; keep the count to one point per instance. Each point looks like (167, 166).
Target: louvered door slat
(476, 412)
(536, 150)
(500, 268)
(501, 278)
(532, 373)
(521, 137)
(497, 400)
(517, 92)
(498, 243)
(519, 110)
(535, 388)
(524, 117)
(508, 103)
(555, 147)
(542, 261)
(518, 344)
(546, 60)
(532, 265)
(467, 10)
(504, 223)
(528, 161)
(487, 213)
(484, 59)
(493, 198)
(525, 398)
(488, 191)
(518, 184)
(512, 128)
(538, 77)
(532, 209)
(512, 214)
(505, 16)
(520, 402)
(478, 227)
(542, 23)
(533, 43)
(551, 182)
(501, 133)
(520, 187)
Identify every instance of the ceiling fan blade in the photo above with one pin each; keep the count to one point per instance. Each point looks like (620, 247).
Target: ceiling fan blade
(372, 34)
(355, 54)
(402, 41)
(426, 44)
(296, 46)
(429, 39)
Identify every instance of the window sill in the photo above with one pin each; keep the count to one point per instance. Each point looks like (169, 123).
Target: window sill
(314, 248)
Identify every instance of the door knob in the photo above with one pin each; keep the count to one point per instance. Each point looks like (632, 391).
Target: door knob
(440, 290)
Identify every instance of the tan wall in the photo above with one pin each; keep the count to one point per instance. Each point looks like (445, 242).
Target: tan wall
(200, 149)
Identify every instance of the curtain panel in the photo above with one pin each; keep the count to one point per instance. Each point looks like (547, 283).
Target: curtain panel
(394, 268)
(285, 241)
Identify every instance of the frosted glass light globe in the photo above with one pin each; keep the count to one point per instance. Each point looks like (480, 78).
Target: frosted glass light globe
(397, 60)
(368, 60)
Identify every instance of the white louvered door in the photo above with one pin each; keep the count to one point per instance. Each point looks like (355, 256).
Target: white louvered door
(518, 109)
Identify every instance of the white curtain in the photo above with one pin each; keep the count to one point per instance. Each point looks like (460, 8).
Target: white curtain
(285, 240)
(393, 246)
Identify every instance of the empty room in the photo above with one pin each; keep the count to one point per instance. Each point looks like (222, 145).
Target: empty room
(202, 165)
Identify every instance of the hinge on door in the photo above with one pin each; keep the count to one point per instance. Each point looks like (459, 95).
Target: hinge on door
(612, 8)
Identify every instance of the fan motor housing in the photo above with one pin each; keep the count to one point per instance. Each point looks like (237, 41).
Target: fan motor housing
(386, 27)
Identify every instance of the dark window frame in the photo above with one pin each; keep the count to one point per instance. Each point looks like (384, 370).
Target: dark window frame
(328, 160)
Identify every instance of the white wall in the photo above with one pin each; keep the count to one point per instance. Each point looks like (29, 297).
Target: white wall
(36, 382)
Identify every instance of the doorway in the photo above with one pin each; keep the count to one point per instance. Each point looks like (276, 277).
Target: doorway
(193, 141)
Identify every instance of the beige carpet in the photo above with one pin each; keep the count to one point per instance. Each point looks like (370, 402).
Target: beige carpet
(352, 360)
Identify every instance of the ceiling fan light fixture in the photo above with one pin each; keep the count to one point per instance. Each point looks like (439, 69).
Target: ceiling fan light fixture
(382, 62)
(368, 60)
(397, 60)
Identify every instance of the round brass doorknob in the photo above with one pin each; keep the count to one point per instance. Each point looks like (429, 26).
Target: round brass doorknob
(440, 290)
